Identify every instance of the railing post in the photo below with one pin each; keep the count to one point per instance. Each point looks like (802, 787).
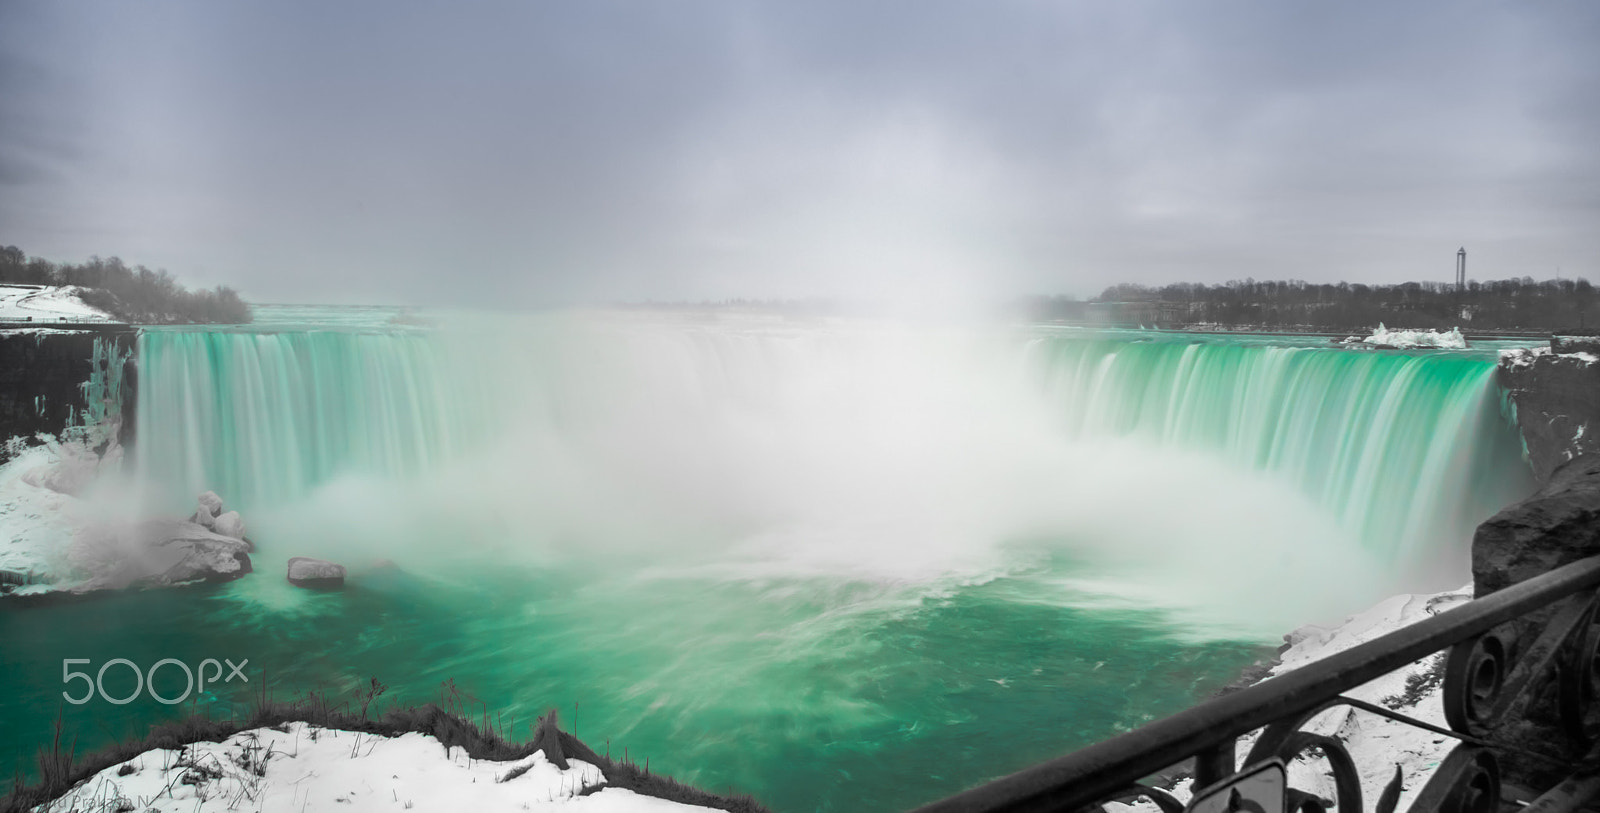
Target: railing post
(1214, 764)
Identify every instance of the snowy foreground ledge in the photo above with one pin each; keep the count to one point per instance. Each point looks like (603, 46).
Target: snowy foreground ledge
(1377, 744)
(299, 766)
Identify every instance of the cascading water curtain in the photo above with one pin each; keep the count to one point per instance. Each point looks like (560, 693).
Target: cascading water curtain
(261, 418)
(1407, 450)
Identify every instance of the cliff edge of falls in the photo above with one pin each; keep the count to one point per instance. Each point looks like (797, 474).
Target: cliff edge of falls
(1557, 397)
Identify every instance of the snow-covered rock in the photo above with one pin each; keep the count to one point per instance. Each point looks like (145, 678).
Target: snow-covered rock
(155, 553)
(229, 523)
(315, 573)
(1557, 396)
(51, 540)
(204, 519)
(1410, 339)
(37, 525)
(211, 504)
(305, 767)
(1522, 356)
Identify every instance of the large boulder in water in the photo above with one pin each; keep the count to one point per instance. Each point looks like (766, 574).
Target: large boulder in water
(315, 574)
(157, 553)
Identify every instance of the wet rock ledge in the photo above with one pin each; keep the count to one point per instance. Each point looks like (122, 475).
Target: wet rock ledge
(1556, 391)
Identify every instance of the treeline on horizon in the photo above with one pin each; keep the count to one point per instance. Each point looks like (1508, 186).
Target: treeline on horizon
(137, 294)
(1510, 304)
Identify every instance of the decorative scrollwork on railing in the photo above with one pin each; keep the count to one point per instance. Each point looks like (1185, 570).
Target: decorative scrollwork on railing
(1467, 781)
(1529, 686)
(1580, 682)
(1161, 798)
(1474, 676)
(1286, 741)
(1521, 693)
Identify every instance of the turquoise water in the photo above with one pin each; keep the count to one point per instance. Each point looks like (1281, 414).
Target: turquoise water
(842, 566)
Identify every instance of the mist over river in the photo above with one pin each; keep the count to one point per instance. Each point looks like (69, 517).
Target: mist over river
(837, 564)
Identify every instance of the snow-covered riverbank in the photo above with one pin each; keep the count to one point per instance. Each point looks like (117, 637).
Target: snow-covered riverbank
(1376, 744)
(47, 303)
(299, 766)
(37, 526)
(54, 541)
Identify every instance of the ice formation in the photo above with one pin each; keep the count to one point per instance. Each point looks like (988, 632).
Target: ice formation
(1408, 339)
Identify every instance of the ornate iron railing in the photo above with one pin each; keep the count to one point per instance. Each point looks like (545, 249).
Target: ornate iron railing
(1520, 691)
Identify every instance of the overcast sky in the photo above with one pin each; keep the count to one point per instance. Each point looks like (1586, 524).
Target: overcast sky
(525, 153)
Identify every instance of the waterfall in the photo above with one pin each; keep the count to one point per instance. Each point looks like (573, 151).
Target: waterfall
(732, 539)
(264, 417)
(1405, 449)
(822, 441)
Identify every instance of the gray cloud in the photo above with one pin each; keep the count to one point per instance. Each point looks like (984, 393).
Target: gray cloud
(540, 154)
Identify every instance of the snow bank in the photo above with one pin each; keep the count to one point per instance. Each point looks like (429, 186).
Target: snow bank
(53, 540)
(37, 525)
(1526, 356)
(1407, 339)
(306, 767)
(1376, 744)
(47, 303)
(1523, 356)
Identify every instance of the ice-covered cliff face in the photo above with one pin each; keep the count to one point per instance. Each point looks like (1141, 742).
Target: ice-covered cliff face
(52, 380)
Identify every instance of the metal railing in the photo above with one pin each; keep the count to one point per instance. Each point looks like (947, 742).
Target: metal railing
(1520, 690)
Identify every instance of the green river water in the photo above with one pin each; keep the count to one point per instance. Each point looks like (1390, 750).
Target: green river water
(838, 565)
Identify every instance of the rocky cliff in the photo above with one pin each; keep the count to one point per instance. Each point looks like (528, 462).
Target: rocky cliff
(50, 380)
(1557, 396)
(1558, 525)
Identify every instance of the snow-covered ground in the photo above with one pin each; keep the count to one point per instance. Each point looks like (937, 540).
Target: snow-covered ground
(37, 524)
(1523, 356)
(53, 540)
(47, 303)
(1526, 356)
(304, 767)
(1410, 339)
(1376, 744)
